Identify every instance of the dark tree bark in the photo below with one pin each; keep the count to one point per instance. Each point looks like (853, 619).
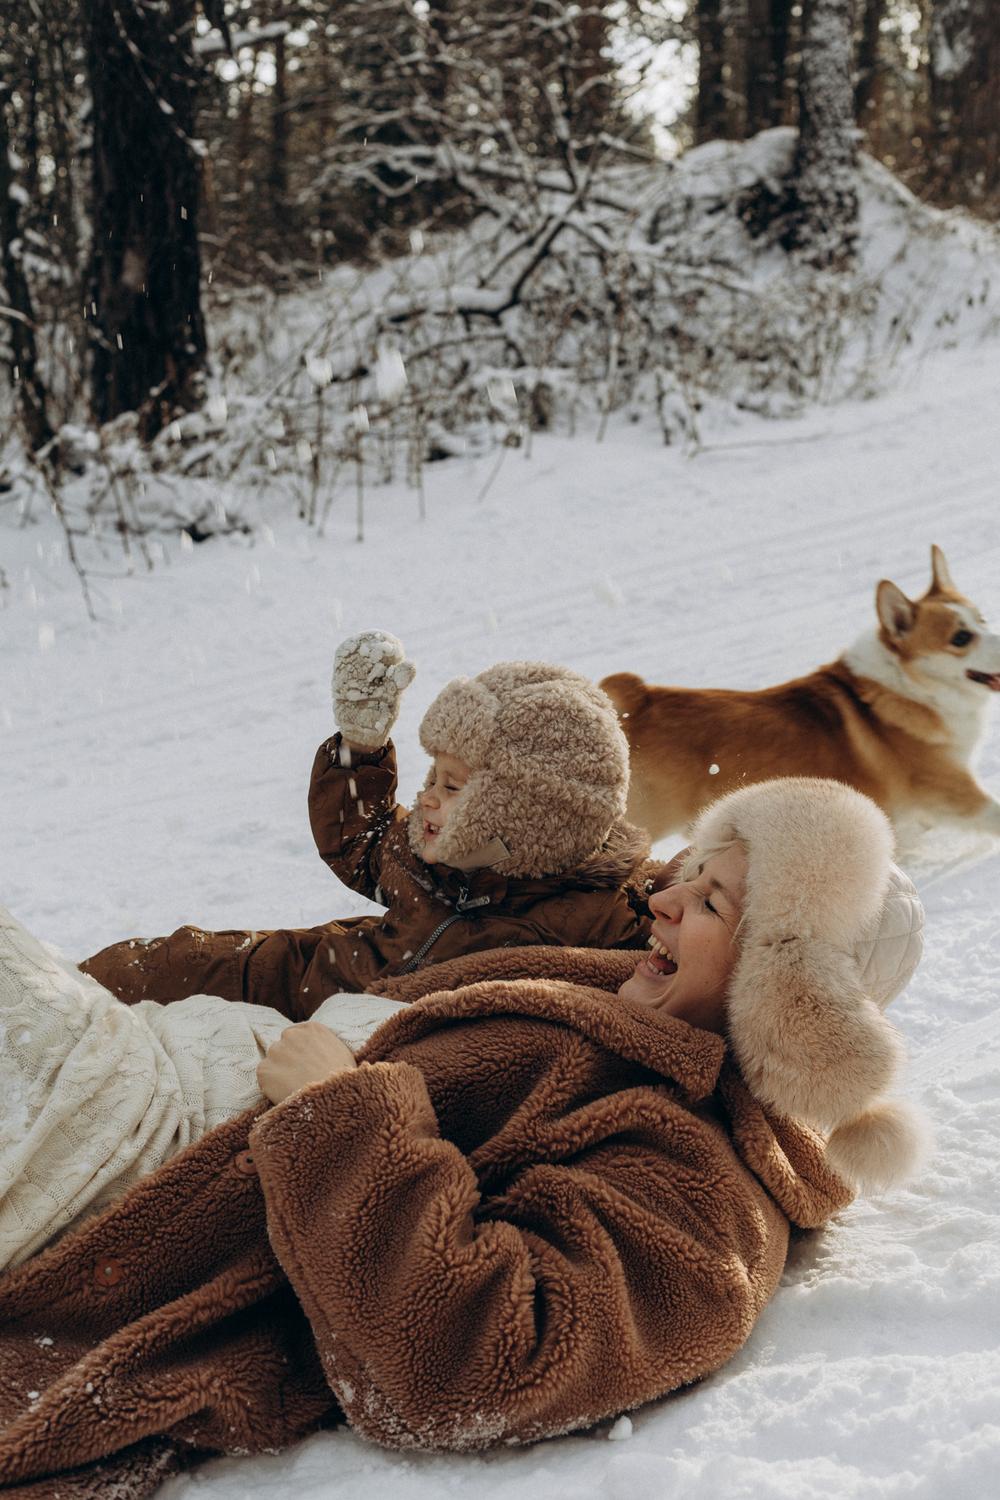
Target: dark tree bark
(711, 105)
(64, 195)
(590, 88)
(19, 314)
(32, 152)
(765, 62)
(823, 200)
(148, 335)
(278, 173)
(867, 90)
(965, 98)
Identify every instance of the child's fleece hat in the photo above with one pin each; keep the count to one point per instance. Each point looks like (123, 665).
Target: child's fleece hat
(549, 769)
(831, 932)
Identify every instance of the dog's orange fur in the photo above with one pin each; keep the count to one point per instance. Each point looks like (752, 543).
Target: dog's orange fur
(905, 752)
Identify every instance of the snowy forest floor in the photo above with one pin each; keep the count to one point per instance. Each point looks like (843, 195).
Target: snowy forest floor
(154, 771)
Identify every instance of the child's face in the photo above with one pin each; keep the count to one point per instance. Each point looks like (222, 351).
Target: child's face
(437, 800)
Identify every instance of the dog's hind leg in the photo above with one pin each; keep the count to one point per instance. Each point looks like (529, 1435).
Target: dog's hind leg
(957, 796)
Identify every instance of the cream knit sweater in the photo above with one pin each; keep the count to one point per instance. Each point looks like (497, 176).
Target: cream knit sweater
(95, 1094)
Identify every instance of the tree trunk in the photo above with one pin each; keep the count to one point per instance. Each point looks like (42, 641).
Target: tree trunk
(20, 315)
(765, 60)
(148, 335)
(279, 136)
(31, 150)
(822, 209)
(711, 108)
(868, 78)
(64, 197)
(591, 96)
(965, 98)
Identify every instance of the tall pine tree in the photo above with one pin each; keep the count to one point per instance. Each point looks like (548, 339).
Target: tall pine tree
(822, 211)
(147, 332)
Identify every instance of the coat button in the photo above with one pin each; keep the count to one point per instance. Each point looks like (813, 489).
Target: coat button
(108, 1272)
(245, 1163)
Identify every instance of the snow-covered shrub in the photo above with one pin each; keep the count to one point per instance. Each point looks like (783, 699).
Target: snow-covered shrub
(643, 290)
(640, 291)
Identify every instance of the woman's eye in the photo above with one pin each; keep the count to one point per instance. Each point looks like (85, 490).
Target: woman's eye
(961, 638)
(710, 907)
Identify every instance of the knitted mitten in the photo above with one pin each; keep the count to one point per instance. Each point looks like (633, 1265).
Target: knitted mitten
(370, 671)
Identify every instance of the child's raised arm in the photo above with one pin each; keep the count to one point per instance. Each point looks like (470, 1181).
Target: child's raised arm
(352, 793)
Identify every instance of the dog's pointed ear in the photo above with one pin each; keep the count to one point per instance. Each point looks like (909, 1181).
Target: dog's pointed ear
(896, 613)
(941, 579)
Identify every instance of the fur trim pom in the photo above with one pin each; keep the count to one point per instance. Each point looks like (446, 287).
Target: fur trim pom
(880, 1148)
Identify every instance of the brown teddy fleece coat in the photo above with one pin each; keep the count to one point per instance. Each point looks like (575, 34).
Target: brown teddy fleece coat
(531, 1208)
(434, 912)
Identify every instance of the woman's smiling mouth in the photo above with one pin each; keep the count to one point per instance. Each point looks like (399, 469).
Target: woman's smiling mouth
(660, 960)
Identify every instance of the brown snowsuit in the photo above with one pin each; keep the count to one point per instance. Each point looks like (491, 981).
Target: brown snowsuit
(434, 912)
(532, 1208)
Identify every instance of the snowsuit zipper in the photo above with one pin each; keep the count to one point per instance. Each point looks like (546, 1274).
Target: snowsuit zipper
(462, 905)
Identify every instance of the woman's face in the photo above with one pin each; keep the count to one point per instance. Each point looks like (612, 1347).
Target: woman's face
(693, 949)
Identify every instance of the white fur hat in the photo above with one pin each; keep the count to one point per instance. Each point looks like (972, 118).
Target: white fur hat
(831, 932)
(549, 769)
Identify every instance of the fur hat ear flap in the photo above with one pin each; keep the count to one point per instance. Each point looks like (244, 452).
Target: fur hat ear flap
(811, 1044)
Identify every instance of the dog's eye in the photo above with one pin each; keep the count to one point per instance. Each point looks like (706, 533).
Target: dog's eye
(961, 638)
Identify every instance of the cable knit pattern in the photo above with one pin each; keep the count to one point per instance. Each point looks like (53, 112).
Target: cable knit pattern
(356, 1018)
(95, 1095)
(90, 1099)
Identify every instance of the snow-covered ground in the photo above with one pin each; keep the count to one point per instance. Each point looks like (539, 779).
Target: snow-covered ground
(153, 770)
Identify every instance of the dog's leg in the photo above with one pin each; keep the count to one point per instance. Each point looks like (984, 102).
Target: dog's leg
(958, 797)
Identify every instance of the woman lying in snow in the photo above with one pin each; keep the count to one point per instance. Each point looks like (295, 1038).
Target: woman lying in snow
(531, 1204)
(517, 837)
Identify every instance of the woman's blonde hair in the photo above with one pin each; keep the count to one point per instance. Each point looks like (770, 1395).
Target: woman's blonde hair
(697, 858)
(699, 854)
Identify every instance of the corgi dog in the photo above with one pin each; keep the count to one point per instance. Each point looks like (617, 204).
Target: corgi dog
(899, 715)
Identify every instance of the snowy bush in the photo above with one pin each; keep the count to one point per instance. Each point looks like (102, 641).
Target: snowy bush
(643, 291)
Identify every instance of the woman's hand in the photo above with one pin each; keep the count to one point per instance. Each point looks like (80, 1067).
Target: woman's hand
(306, 1053)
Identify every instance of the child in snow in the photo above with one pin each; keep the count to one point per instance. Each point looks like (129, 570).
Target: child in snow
(516, 839)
